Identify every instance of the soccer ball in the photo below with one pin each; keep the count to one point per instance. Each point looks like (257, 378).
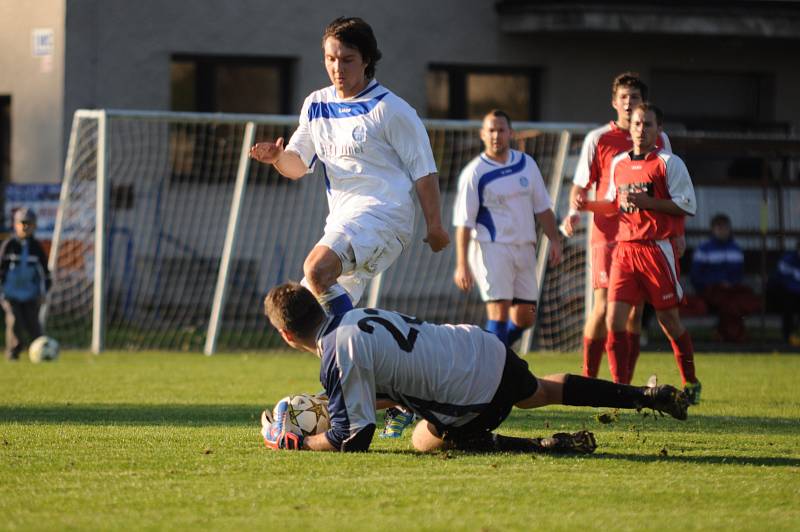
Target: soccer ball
(43, 349)
(308, 414)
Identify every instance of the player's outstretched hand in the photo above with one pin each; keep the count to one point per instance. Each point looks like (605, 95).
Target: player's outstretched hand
(267, 152)
(275, 433)
(437, 238)
(463, 278)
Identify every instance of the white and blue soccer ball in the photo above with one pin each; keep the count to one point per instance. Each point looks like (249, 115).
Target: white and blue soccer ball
(43, 349)
(308, 414)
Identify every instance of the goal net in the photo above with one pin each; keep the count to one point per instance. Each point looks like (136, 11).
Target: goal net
(169, 238)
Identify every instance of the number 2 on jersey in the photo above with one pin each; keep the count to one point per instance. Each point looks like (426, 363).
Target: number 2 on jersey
(406, 343)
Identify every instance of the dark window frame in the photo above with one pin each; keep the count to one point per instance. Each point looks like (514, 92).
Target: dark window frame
(206, 64)
(457, 85)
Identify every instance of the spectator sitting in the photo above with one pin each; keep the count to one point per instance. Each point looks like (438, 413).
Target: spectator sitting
(783, 293)
(716, 273)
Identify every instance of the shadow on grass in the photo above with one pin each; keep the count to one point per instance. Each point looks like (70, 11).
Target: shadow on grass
(133, 414)
(544, 419)
(765, 461)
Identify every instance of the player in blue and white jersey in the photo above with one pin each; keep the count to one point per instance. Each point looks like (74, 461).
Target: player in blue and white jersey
(460, 379)
(374, 150)
(501, 197)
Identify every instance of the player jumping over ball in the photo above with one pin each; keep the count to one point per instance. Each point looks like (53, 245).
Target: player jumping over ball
(650, 192)
(461, 380)
(373, 147)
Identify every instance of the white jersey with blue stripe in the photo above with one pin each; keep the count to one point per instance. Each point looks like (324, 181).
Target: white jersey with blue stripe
(498, 201)
(446, 374)
(373, 146)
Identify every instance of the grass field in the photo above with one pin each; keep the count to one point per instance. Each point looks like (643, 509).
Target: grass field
(170, 441)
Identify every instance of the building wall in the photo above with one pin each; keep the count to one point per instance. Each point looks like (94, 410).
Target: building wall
(118, 56)
(35, 87)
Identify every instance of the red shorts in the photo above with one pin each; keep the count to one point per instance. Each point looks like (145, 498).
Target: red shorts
(645, 271)
(601, 263)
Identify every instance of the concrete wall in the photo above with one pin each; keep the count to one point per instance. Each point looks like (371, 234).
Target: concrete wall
(35, 86)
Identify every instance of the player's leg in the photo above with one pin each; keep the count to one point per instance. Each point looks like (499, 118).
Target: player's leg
(594, 334)
(670, 322)
(426, 438)
(594, 331)
(492, 265)
(321, 269)
(633, 328)
(617, 342)
(576, 390)
(658, 269)
(13, 330)
(497, 318)
(624, 292)
(522, 316)
(526, 292)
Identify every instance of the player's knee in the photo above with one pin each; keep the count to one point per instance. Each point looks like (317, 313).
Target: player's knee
(318, 273)
(671, 323)
(425, 439)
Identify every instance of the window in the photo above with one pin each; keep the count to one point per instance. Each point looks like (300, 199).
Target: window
(220, 84)
(470, 92)
(718, 101)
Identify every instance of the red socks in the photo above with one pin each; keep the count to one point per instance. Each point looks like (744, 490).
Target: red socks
(633, 355)
(618, 355)
(592, 356)
(684, 356)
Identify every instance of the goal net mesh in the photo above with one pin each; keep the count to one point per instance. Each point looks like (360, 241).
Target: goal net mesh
(170, 180)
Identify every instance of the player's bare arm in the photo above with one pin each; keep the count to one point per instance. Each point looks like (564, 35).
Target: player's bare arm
(577, 197)
(288, 163)
(462, 276)
(547, 219)
(428, 193)
(642, 200)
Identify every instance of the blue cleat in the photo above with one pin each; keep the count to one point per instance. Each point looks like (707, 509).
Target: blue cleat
(396, 422)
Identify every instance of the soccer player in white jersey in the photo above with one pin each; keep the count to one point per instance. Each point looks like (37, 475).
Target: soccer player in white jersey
(501, 197)
(460, 379)
(373, 148)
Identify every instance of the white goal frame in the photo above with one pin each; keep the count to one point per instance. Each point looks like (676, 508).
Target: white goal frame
(566, 131)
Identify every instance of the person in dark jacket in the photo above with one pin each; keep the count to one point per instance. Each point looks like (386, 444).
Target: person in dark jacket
(25, 280)
(717, 273)
(783, 293)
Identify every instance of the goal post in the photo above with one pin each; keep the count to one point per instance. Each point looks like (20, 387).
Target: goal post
(168, 238)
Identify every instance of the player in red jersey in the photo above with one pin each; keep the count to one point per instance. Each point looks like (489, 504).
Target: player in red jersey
(649, 192)
(599, 148)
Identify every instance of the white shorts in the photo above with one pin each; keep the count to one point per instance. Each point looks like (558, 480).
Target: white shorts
(504, 271)
(365, 249)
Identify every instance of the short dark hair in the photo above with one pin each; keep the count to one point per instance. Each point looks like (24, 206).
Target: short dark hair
(497, 113)
(630, 80)
(720, 219)
(294, 308)
(356, 33)
(647, 106)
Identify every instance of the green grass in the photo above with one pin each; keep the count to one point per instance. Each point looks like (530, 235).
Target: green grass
(170, 441)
